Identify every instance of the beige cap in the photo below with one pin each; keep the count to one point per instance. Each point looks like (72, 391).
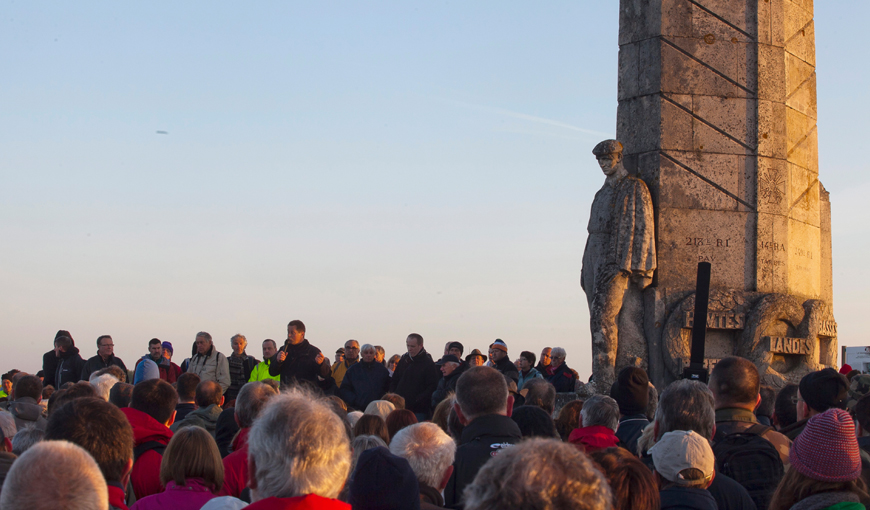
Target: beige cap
(679, 450)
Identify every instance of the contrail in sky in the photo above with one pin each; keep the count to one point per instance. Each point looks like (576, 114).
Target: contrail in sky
(527, 117)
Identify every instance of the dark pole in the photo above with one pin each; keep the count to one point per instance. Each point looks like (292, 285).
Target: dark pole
(696, 369)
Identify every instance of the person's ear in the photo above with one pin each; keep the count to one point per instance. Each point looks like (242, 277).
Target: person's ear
(7, 444)
(510, 406)
(458, 410)
(445, 478)
(171, 419)
(223, 399)
(757, 401)
(128, 470)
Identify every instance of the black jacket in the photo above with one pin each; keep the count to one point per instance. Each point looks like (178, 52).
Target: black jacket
(49, 367)
(416, 379)
(563, 379)
(69, 367)
(364, 382)
(729, 494)
(447, 385)
(629, 430)
(685, 498)
(300, 365)
(97, 363)
(508, 369)
(481, 440)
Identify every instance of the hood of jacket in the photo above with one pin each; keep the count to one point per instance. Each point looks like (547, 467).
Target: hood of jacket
(209, 414)
(146, 428)
(25, 408)
(70, 352)
(596, 437)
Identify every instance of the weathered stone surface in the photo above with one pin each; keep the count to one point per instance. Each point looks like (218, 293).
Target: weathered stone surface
(618, 263)
(717, 111)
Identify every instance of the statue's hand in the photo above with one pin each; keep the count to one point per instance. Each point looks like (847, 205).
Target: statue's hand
(641, 281)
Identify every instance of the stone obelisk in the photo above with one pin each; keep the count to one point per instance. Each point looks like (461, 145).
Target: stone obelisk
(717, 113)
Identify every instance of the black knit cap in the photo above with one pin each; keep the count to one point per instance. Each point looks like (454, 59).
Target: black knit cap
(825, 389)
(631, 391)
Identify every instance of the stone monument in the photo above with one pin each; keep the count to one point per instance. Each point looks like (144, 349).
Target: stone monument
(717, 114)
(618, 263)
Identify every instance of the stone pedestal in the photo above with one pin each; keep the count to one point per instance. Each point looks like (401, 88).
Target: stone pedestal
(717, 113)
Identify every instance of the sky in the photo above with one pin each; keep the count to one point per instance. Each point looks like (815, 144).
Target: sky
(370, 168)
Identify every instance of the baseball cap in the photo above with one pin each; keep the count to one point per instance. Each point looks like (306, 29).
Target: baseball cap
(679, 450)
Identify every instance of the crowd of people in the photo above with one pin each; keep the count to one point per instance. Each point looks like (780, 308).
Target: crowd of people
(475, 431)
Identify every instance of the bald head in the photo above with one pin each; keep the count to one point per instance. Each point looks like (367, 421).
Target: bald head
(208, 393)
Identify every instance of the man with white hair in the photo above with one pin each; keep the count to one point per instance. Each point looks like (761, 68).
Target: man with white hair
(208, 363)
(558, 374)
(430, 453)
(241, 366)
(298, 454)
(54, 474)
(599, 419)
(365, 381)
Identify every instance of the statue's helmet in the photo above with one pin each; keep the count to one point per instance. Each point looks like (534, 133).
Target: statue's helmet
(607, 147)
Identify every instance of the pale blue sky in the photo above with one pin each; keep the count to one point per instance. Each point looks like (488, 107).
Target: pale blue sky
(371, 168)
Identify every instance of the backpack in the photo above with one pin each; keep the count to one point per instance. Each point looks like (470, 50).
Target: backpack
(147, 447)
(752, 461)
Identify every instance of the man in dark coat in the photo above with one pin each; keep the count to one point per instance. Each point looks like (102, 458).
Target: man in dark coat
(69, 362)
(416, 377)
(365, 380)
(105, 358)
(50, 360)
(482, 405)
(300, 362)
(451, 369)
(498, 353)
(558, 374)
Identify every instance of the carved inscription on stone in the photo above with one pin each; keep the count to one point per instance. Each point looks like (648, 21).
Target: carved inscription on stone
(718, 320)
(772, 186)
(707, 242)
(828, 328)
(786, 345)
(709, 363)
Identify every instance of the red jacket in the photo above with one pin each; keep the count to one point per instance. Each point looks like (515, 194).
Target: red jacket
(146, 469)
(309, 502)
(236, 466)
(169, 371)
(590, 439)
(117, 498)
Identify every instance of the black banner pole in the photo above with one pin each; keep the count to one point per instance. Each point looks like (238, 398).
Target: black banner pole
(696, 369)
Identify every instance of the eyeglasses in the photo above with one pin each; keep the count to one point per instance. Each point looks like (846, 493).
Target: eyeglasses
(107, 345)
(795, 400)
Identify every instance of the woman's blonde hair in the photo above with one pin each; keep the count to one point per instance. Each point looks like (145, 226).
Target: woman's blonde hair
(192, 453)
(796, 486)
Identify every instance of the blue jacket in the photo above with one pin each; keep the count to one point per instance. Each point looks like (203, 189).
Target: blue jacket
(363, 383)
(533, 374)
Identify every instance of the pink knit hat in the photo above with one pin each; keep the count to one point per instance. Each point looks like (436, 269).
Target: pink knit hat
(827, 449)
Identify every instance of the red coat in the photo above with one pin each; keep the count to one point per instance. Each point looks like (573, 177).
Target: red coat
(236, 466)
(146, 469)
(309, 502)
(590, 439)
(169, 372)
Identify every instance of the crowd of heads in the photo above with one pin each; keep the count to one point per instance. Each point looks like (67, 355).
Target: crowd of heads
(466, 430)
